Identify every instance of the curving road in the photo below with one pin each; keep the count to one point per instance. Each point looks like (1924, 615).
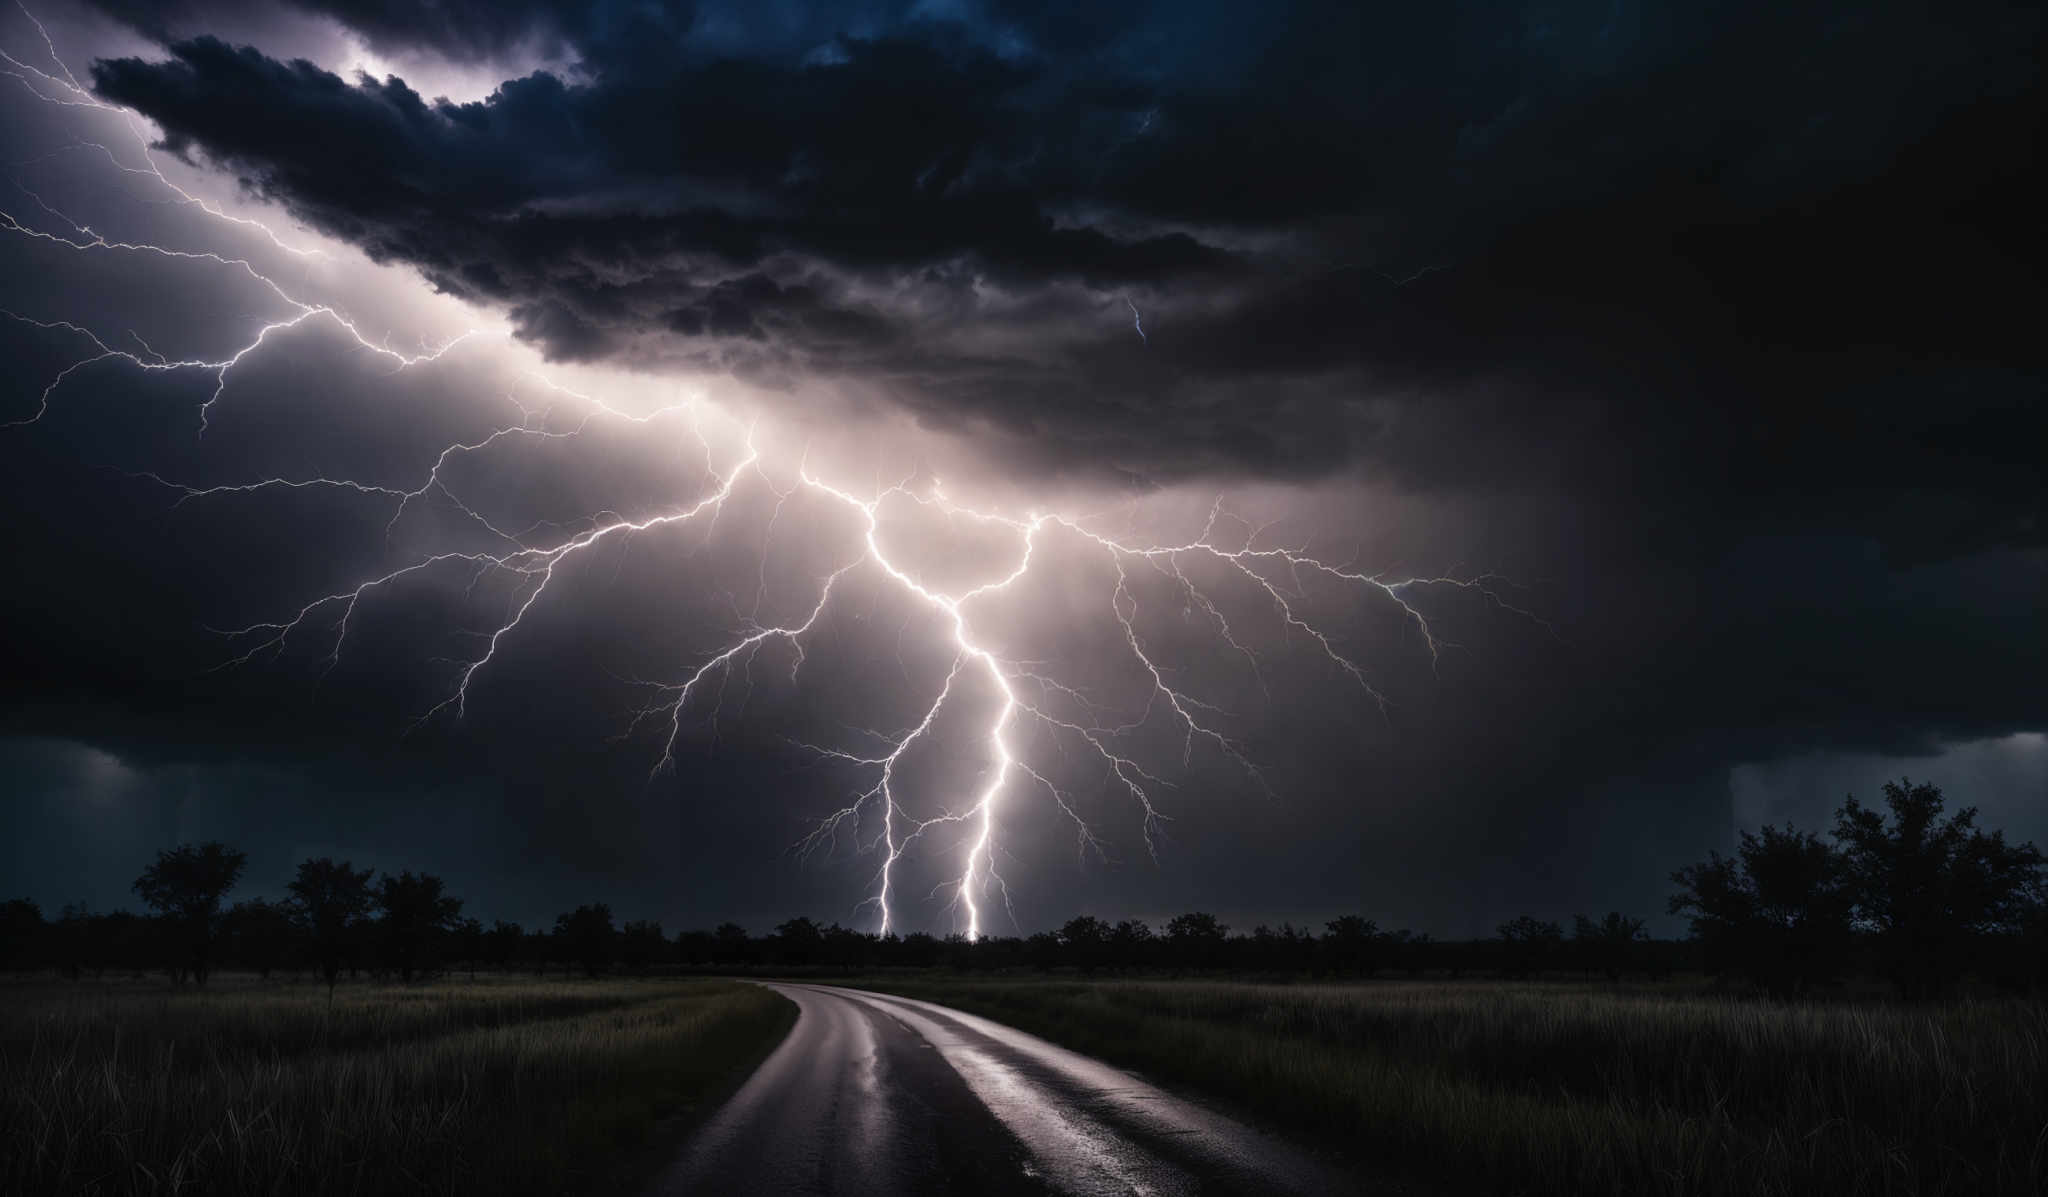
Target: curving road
(876, 1094)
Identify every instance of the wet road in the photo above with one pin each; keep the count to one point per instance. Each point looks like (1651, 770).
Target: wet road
(875, 1094)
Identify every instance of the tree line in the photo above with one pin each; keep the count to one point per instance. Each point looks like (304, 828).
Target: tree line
(1917, 899)
(407, 928)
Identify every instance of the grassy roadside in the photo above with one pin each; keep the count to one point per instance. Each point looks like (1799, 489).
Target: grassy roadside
(483, 1087)
(1519, 1088)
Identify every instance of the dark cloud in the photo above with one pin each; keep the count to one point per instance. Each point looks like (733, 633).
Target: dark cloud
(1751, 244)
(465, 30)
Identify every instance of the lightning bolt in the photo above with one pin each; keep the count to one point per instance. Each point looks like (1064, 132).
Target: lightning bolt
(1034, 706)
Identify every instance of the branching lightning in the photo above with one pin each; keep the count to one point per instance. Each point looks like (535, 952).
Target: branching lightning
(1033, 705)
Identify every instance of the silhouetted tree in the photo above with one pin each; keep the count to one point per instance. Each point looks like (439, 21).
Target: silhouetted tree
(185, 887)
(1931, 887)
(1259, 950)
(1298, 947)
(695, 949)
(329, 902)
(259, 935)
(1777, 911)
(1196, 939)
(22, 934)
(81, 941)
(468, 938)
(585, 937)
(919, 949)
(1284, 950)
(1529, 945)
(641, 943)
(1349, 942)
(2023, 964)
(1411, 951)
(502, 944)
(539, 948)
(68, 937)
(413, 916)
(124, 941)
(956, 950)
(797, 941)
(1132, 943)
(733, 945)
(1085, 940)
(845, 947)
(1042, 951)
(1611, 946)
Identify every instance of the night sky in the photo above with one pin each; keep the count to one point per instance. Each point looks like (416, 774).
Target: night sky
(1687, 357)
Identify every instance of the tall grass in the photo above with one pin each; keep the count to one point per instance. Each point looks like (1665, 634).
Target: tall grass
(1557, 1089)
(496, 1087)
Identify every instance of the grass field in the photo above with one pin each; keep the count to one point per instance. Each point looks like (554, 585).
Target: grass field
(1554, 1088)
(480, 1087)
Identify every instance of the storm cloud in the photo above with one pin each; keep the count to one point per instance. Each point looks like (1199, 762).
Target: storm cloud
(1414, 241)
(1713, 330)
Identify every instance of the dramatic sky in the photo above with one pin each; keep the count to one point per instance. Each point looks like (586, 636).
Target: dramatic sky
(1449, 461)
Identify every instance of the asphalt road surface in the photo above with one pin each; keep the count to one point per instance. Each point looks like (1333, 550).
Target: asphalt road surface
(875, 1094)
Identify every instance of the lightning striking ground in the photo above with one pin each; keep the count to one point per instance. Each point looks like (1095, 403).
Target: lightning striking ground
(880, 818)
